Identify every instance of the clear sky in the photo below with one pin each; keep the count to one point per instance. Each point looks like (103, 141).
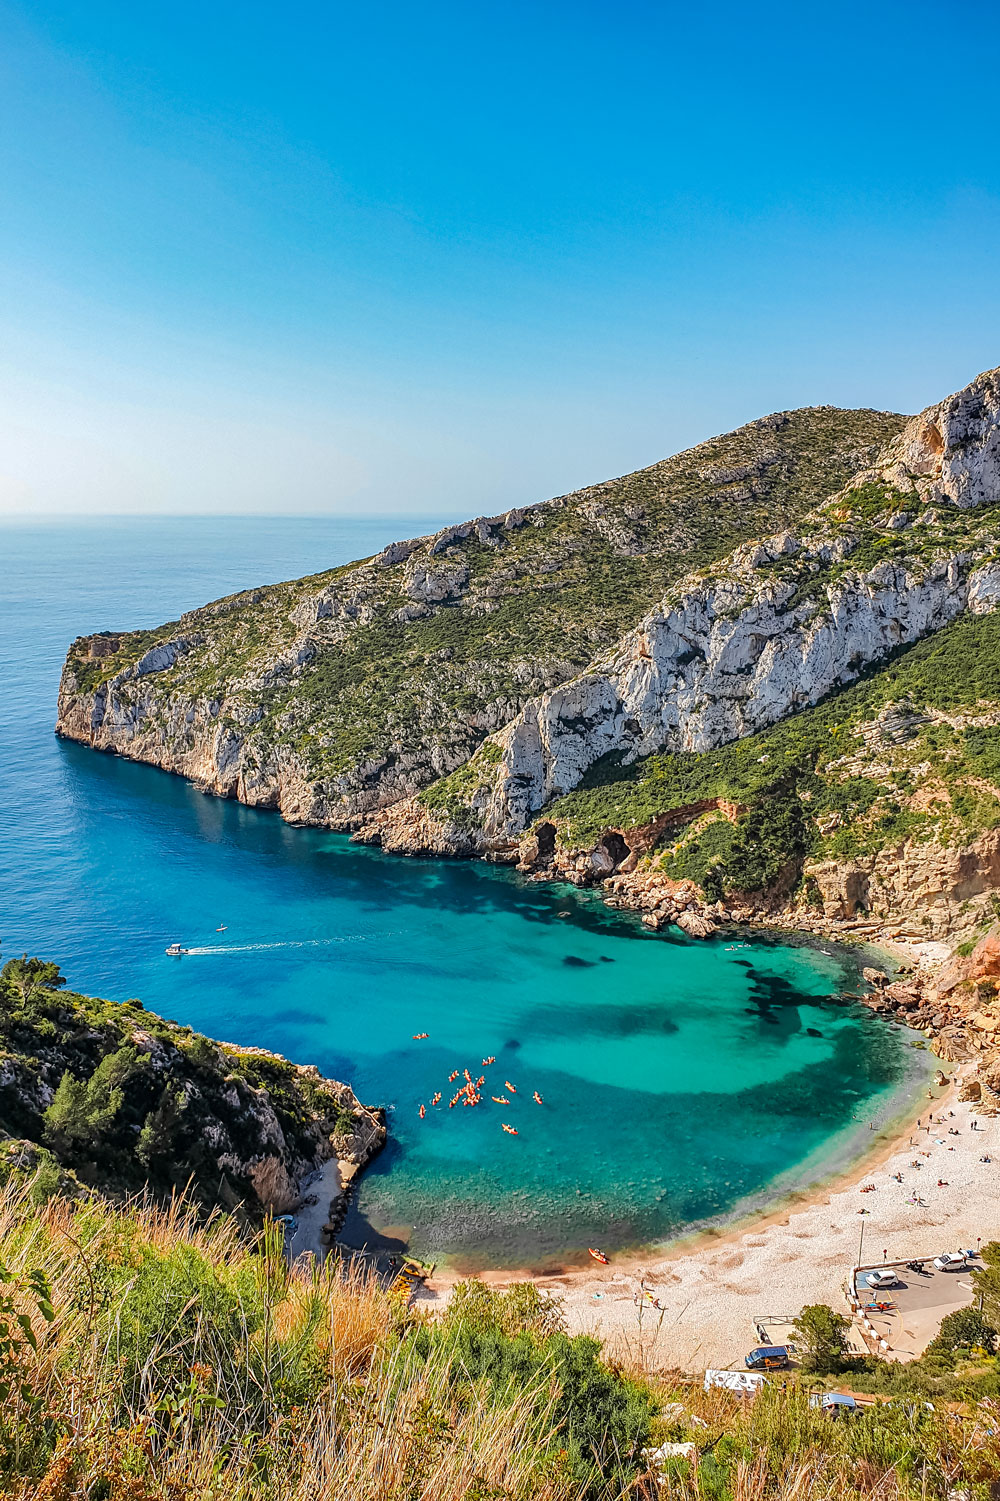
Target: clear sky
(301, 257)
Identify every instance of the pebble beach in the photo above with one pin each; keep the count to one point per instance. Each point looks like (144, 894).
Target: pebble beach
(712, 1290)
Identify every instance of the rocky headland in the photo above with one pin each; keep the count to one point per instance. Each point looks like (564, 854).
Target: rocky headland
(758, 683)
(332, 697)
(125, 1101)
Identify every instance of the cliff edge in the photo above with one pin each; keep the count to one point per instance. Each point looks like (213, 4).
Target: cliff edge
(335, 696)
(129, 1101)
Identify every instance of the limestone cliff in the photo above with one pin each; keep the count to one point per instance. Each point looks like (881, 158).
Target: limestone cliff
(335, 696)
(908, 546)
(550, 686)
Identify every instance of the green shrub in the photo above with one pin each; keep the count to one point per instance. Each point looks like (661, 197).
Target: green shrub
(514, 1340)
(822, 1333)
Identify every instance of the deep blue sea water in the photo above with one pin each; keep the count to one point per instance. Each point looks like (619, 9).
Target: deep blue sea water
(679, 1079)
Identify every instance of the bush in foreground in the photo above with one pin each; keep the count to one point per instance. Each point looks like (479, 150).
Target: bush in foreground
(146, 1354)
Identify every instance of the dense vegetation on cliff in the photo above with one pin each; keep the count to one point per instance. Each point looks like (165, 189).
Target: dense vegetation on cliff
(126, 1100)
(341, 692)
(912, 751)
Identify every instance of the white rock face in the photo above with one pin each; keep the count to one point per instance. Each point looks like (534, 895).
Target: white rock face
(763, 636)
(952, 450)
(427, 585)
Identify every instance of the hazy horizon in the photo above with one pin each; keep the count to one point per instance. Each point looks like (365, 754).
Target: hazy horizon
(408, 261)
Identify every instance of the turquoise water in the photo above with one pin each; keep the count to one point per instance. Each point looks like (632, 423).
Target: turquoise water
(678, 1079)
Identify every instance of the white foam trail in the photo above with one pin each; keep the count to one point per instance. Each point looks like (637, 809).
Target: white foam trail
(291, 943)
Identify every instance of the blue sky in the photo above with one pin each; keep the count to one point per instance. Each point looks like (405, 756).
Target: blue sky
(317, 258)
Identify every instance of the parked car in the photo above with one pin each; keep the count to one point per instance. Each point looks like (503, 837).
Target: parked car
(833, 1404)
(883, 1277)
(951, 1261)
(767, 1358)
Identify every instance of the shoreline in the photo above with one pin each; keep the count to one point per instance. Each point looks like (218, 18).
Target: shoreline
(773, 1204)
(768, 1205)
(755, 1218)
(713, 1286)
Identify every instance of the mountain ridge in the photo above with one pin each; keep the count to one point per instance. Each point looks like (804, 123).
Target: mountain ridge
(907, 546)
(336, 695)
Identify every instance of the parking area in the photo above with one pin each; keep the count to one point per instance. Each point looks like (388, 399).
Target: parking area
(917, 1304)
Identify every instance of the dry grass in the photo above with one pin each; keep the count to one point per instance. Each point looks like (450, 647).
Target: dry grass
(182, 1362)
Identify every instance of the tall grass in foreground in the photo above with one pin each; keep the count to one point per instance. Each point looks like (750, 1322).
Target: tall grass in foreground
(149, 1356)
(778, 1448)
(145, 1354)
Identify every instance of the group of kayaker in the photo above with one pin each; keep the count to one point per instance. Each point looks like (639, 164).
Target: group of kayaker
(470, 1093)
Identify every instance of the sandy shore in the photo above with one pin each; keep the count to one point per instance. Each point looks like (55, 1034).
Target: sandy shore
(325, 1187)
(712, 1291)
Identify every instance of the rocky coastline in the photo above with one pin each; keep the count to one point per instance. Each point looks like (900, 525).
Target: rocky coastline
(932, 915)
(445, 696)
(127, 1101)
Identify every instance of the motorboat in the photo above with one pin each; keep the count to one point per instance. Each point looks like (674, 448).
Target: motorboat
(174, 950)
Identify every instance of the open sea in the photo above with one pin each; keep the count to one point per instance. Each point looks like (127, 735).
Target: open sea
(681, 1081)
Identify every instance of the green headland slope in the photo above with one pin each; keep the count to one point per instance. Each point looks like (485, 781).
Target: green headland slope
(338, 694)
(126, 1100)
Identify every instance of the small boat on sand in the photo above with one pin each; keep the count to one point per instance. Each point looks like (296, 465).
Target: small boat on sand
(598, 1255)
(174, 950)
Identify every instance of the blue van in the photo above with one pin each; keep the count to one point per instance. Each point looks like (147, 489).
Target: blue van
(767, 1358)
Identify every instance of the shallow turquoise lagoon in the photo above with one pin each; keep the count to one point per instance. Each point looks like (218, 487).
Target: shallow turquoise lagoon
(679, 1080)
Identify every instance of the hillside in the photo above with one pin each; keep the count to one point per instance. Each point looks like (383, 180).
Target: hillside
(903, 767)
(909, 545)
(336, 695)
(149, 1357)
(436, 699)
(127, 1101)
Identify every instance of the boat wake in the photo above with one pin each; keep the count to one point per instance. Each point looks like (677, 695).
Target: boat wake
(289, 943)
